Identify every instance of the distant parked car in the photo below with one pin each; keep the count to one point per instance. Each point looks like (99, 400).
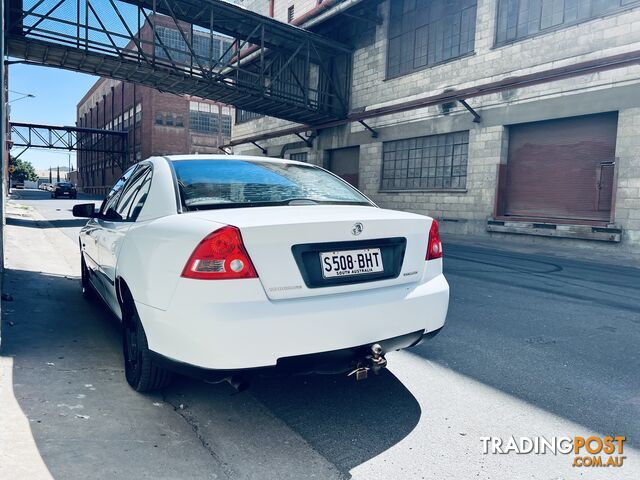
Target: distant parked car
(64, 189)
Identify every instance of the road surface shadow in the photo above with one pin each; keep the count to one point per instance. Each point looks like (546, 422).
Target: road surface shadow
(30, 223)
(559, 334)
(344, 421)
(348, 422)
(69, 382)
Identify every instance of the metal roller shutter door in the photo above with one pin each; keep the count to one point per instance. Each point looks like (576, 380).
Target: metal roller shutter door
(562, 169)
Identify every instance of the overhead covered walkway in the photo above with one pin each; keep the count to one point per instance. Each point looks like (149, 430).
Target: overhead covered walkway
(269, 68)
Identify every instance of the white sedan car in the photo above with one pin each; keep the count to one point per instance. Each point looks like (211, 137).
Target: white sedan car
(219, 264)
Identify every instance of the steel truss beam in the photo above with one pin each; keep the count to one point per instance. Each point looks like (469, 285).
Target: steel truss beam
(110, 142)
(264, 66)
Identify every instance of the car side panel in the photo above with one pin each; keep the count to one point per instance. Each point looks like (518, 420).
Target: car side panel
(154, 253)
(110, 241)
(89, 246)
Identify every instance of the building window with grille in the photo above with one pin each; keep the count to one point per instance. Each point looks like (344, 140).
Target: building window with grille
(203, 122)
(519, 19)
(299, 157)
(179, 121)
(159, 119)
(209, 118)
(138, 113)
(291, 13)
(172, 46)
(436, 162)
(209, 49)
(226, 125)
(423, 33)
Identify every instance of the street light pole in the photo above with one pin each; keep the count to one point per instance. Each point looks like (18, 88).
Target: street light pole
(24, 95)
(4, 162)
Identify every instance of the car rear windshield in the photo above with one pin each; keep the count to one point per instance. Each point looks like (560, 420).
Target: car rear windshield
(206, 184)
(64, 184)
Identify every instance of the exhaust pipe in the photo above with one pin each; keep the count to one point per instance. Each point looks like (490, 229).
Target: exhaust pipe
(238, 382)
(374, 362)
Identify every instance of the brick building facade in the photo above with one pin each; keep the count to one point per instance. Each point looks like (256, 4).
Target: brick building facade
(157, 123)
(558, 159)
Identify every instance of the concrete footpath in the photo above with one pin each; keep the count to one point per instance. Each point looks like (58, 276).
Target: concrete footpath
(55, 369)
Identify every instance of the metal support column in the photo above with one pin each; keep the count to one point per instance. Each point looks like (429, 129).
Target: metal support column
(3, 133)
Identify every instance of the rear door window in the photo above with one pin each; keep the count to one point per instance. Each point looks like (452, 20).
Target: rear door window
(245, 183)
(114, 195)
(135, 194)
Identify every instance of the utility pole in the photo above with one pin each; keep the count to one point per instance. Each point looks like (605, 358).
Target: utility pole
(50, 178)
(58, 174)
(4, 162)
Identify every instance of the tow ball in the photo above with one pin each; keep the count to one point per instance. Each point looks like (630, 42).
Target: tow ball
(374, 362)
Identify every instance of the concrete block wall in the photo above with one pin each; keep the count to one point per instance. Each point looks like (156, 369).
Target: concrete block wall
(281, 7)
(258, 6)
(627, 207)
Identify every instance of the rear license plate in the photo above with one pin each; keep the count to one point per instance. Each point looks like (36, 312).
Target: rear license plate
(351, 262)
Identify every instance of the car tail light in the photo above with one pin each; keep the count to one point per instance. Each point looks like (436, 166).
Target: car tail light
(434, 249)
(220, 256)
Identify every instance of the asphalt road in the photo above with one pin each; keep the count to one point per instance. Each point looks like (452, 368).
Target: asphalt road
(533, 346)
(57, 211)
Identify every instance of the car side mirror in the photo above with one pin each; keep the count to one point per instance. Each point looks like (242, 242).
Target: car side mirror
(84, 210)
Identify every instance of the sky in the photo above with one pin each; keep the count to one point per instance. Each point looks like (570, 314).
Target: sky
(57, 93)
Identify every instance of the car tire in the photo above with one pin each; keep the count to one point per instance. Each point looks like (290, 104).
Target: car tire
(141, 372)
(88, 292)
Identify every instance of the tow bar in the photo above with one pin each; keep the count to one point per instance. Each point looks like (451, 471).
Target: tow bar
(374, 362)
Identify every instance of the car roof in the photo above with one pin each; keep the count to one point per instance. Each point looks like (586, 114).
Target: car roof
(251, 158)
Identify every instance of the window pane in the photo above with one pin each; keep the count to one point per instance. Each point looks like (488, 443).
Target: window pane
(210, 183)
(299, 157)
(130, 196)
(407, 165)
(423, 33)
(521, 18)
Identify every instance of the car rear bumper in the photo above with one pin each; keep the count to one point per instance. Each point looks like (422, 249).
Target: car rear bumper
(235, 326)
(333, 362)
